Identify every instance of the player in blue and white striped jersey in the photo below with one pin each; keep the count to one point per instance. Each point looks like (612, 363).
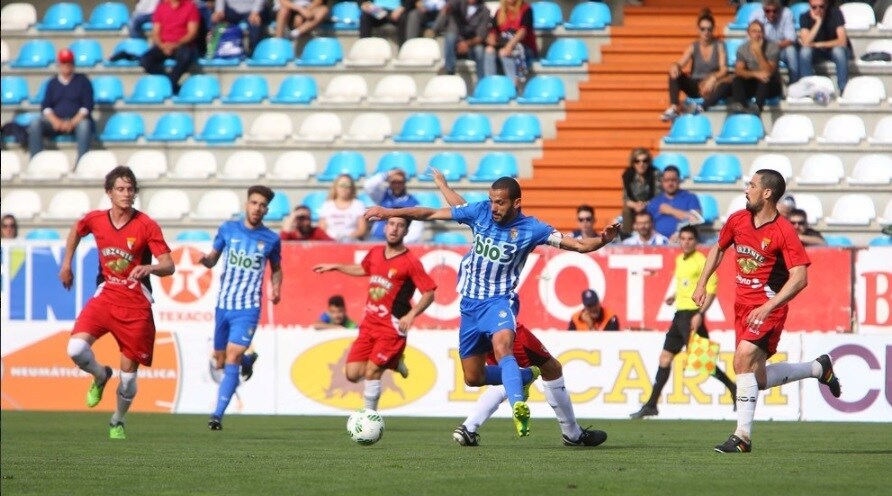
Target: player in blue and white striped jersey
(247, 245)
(488, 277)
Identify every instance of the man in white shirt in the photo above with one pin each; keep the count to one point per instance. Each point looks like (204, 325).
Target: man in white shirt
(779, 27)
(644, 234)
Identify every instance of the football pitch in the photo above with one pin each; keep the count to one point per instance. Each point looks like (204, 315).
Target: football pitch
(70, 453)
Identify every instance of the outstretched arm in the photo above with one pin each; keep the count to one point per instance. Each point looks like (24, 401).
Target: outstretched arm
(452, 197)
(588, 245)
(413, 213)
(349, 269)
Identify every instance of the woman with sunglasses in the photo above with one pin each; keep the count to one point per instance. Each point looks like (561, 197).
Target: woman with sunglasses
(640, 184)
(341, 214)
(706, 80)
(10, 227)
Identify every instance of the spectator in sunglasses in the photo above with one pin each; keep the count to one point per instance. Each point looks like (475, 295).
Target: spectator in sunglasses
(585, 215)
(641, 182)
(808, 236)
(779, 28)
(299, 227)
(10, 227)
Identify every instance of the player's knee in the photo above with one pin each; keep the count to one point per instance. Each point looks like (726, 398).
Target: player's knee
(474, 380)
(127, 388)
(551, 370)
(79, 351)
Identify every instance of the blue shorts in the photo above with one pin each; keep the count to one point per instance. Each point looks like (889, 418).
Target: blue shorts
(235, 326)
(480, 319)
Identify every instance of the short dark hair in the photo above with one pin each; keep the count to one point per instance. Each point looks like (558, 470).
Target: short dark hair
(337, 301)
(672, 168)
(261, 190)
(690, 229)
(800, 213)
(773, 180)
(123, 172)
(585, 208)
(508, 183)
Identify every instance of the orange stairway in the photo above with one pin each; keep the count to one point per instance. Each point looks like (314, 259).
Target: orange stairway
(618, 109)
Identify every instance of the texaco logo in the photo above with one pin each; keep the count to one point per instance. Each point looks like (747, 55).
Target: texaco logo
(191, 281)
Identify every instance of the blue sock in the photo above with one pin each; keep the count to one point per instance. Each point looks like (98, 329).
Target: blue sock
(493, 375)
(511, 379)
(227, 388)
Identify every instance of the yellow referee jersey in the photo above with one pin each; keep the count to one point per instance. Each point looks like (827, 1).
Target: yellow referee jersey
(687, 273)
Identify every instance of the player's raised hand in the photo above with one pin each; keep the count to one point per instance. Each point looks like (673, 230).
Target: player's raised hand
(439, 178)
(610, 232)
(375, 213)
(66, 277)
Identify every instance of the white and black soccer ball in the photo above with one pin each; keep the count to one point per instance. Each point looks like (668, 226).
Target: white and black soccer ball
(365, 427)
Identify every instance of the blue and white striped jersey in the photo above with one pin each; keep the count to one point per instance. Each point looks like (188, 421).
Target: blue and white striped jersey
(244, 253)
(498, 253)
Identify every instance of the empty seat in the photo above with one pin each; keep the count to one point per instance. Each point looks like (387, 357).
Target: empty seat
(168, 204)
(886, 24)
(429, 199)
(370, 127)
(193, 235)
(444, 89)
(679, 160)
(403, 161)
(195, 164)
(17, 16)
(863, 90)
(882, 133)
(736, 204)
(248, 88)
(395, 88)
(10, 165)
(47, 165)
(222, 128)
(43, 234)
(450, 238)
(87, 52)
(123, 126)
(345, 88)
(709, 207)
(544, 90)
(547, 15)
(345, 16)
(272, 52)
(148, 165)
(369, 52)
(812, 205)
(127, 53)
(476, 196)
(314, 201)
(25, 204)
(797, 9)
(418, 52)
(420, 127)
(853, 209)
(95, 164)
(68, 204)
(494, 90)
(37, 97)
(108, 16)
(294, 165)
(344, 162)
(217, 204)
(821, 169)
(34, 53)
(588, 16)
(742, 19)
(14, 90)
(198, 89)
(173, 126)
(107, 89)
(62, 16)
(320, 127)
(877, 46)
(469, 128)
(772, 161)
(741, 129)
(244, 165)
(689, 129)
(150, 89)
(271, 126)
(4, 52)
(886, 219)
(731, 46)
(791, 129)
(494, 165)
(881, 240)
(321, 52)
(451, 164)
(720, 168)
(837, 240)
(519, 128)
(279, 207)
(843, 129)
(858, 16)
(296, 89)
(872, 170)
(565, 52)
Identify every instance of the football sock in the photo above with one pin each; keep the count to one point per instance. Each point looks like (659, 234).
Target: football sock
(511, 379)
(492, 375)
(816, 369)
(82, 355)
(722, 376)
(747, 394)
(526, 376)
(659, 382)
(227, 388)
(487, 404)
(126, 393)
(372, 393)
(557, 396)
(782, 373)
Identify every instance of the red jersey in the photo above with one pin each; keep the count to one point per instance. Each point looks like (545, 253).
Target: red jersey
(392, 283)
(315, 235)
(764, 255)
(173, 21)
(119, 251)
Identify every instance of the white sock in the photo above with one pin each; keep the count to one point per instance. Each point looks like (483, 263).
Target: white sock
(557, 397)
(747, 394)
(82, 355)
(486, 405)
(782, 373)
(372, 393)
(126, 393)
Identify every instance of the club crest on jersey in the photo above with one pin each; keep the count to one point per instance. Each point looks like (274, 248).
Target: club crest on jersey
(765, 243)
(503, 314)
(392, 272)
(513, 235)
(260, 245)
(130, 243)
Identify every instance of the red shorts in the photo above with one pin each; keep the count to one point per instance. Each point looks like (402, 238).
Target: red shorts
(133, 328)
(381, 346)
(767, 335)
(528, 350)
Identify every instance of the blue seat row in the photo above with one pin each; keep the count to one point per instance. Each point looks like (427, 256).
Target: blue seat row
(454, 167)
(425, 127)
(547, 16)
(741, 129)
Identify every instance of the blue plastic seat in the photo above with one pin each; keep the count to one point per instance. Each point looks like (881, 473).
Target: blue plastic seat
(107, 89)
(14, 90)
(451, 164)
(345, 16)
(450, 237)
(43, 234)
(797, 9)
(743, 15)
(429, 199)
(37, 96)
(108, 16)
(547, 15)
(469, 128)
(543, 90)
(679, 160)
(63, 16)
(404, 161)
(194, 235)
(566, 52)
(731, 46)
(494, 89)
(494, 165)
(248, 88)
(223, 127)
(133, 46)
(709, 207)
(296, 89)
(420, 127)
(519, 128)
(150, 89)
(880, 241)
(741, 129)
(198, 89)
(173, 126)
(476, 196)
(589, 15)
(321, 52)
(690, 129)
(279, 207)
(87, 52)
(272, 52)
(314, 200)
(24, 119)
(343, 162)
(123, 126)
(35, 53)
(720, 168)
(838, 240)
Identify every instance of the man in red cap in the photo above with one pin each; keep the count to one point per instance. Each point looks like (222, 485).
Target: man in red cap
(66, 108)
(175, 26)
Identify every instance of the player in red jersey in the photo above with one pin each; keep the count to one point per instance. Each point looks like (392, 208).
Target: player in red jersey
(122, 305)
(394, 273)
(771, 270)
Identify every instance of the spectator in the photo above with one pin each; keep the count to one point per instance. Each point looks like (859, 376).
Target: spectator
(142, 13)
(299, 227)
(10, 227)
(808, 236)
(175, 26)
(302, 15)
(381, 12)
(644, 234)
(755, 72)
(341, 214)
(256, 12)
(779, 26)
(593, 316)
(388, 189)
(786, 205)
(422, 13)
(66, 108)
(822, 36)
(467, 24)
(708, 70)
(513, 40)
(585, 215)
(673, 205)
(336, 315)
(641, 182)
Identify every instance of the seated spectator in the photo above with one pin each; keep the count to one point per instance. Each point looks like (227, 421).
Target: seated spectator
(10, 227)
(66, 108)
(585, 215)
(466, 24)
(644, 234)
(424, 12)
(641, 182)
(175, 26)
(388, 189)
(256, 13)
(298, 226)
(808, 236)
(381, 12)
(674, 205)
(513, 40)
(336, 315)
(142, 13)
(593, 316)
(303, 16)
(780, 28)
(822, 36)
(341, 214)
(708, 70)
(755, 72)
(786, 205)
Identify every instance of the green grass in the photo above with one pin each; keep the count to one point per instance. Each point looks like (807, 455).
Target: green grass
(70, 453)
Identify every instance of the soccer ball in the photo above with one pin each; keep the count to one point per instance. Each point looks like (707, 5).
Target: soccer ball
(365, 427)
